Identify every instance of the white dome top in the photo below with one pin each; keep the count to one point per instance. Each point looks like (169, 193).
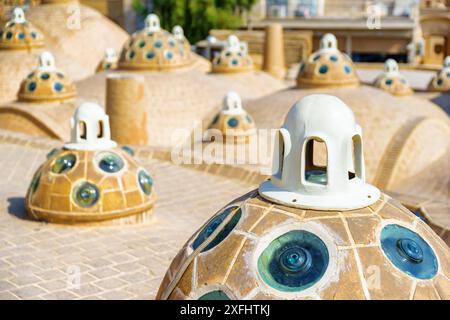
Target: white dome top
(152, 23)
(18, 16)
(391, 68)
(90, 129)
(178, 32)
(233, 44)
(328, 43)
(297, 181)
(47, 62)
(447, 62)
(111, 55)
(232, 104)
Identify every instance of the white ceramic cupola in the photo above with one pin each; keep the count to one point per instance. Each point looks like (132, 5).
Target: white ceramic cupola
(391, 68)
(232, 104)
(90, 129)
(178, 32)
(111, 55)
(233, 44)
(328, 43)
(152, 23)
(47, 62)
(447, 63)
(18, 16)
(318, 158)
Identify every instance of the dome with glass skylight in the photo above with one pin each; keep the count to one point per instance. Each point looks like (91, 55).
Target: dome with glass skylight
(20, 34)
(46, 83)
(233, 58)
(90, 179)
(327, 67)
(156, 49)
(392, 81)
(315, 230)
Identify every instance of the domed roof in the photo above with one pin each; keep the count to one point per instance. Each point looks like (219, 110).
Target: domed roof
(156, 49)
(90, 179)
(392, 81)
(277, 248)
(46, 83)
(327, 67)
(76, 34)
(233, 58)
(441, 82)
(109, 62)
(233, 121)
(19, 34)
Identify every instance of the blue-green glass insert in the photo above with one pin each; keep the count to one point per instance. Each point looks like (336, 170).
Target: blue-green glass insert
(233, 122)
(215, 295)
(409, 252)
(388, 82)
(323, 69)
(86, 194)
(316, 176)
(347, 69)
(32, 86)
(35, 182)
(64, 163)
(294, 261)
(216, 222)
(145, 182)
(110, 162)
(58, 86)
(128, 150)
(333, 58)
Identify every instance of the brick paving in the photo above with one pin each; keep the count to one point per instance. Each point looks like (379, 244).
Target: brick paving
(46, 261)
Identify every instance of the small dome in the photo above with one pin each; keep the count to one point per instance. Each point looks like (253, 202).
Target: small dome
(156, 49)
(110, 61)
(19, 34)
(233, 121)
(46, 83)
(441, 82)
(328, 244)
(90, 179)
(327, 67)
(233, 58)
(392, 81)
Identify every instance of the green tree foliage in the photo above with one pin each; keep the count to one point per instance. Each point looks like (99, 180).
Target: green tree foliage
(197, 17)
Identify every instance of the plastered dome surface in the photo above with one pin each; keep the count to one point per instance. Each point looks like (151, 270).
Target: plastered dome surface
(233, 58)
(156, 49)
(289, 240)
(441, 82)
(327, 67)
(90, 179)
(46, 83)
(77, 35)
(392, 81)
